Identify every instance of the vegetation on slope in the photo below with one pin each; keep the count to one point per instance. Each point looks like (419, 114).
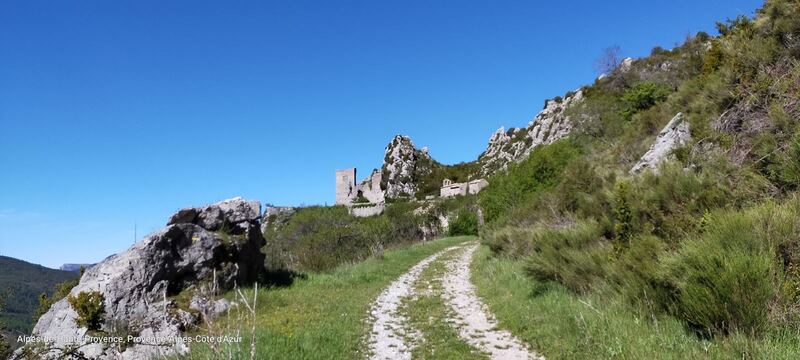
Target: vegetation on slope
(321, 238)
(710, 242)
(22, 283)
(561, 324)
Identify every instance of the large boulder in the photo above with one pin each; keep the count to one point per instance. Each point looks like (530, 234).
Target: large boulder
(677, 133)
(215, 246)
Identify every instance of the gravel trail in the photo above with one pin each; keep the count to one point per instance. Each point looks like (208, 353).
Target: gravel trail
(476, 325)
(390, 336)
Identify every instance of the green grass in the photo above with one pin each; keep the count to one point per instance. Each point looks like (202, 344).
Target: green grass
(561, 325)
(323, 316)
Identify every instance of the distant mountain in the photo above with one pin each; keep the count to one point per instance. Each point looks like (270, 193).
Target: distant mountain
(21, 283)
(74, 267)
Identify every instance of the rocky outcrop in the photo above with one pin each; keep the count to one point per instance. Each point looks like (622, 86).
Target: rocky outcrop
(677, 133)
(550, 125)
(215, 246)
(403, 166)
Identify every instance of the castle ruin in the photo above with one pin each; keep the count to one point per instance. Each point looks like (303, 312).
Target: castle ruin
(349, 192)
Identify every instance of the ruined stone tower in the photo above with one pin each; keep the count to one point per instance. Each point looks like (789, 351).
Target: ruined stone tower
(345, 185)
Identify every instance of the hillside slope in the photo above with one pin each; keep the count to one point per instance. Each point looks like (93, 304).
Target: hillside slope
(22, 283)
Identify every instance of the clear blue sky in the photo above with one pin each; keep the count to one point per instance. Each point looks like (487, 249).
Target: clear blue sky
(119, 112)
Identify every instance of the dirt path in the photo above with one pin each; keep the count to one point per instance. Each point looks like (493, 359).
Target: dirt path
(393, 338)
(476, 325)
(390, 336)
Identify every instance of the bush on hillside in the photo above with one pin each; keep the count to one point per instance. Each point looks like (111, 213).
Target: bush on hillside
(576, 257)
(636, 274)
(320, 238)
(729, 278)
(669, 204)
(91, 309)
(61, 291)
(643, 96)
(465, 223)
(542, 170)
(513, 242)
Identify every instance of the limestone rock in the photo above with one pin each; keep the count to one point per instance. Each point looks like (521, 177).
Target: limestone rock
(403, 166)
(137, 283)
(677, 133)
(550, 125)
(210, 308)
(215, 216)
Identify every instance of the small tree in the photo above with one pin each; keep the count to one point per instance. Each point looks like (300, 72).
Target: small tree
(91, 309)
(609, 60)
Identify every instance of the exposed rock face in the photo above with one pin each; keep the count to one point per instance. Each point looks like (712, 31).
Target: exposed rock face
(550, 125)
(215, 244)
(403, 166)
(676, 134)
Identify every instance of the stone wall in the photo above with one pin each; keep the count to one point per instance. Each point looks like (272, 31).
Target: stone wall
(453, 189)
(366, 210)
(450, 189)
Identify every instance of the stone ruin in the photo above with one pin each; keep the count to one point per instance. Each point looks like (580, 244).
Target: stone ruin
(362, 199)
(451, 189)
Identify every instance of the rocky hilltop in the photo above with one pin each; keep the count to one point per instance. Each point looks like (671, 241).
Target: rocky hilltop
(553, 123)
(215, 246)
(403, 167)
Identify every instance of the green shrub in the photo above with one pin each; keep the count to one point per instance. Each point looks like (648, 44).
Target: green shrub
(576, 257)
(543, 169)
(713, 58)
(91, 309)
(465, 223)
(623, 217)
(62, 290)
(637, 276)
(514, 242)
(643, 96)
(728, 279)
(669, 204)
(320, 238)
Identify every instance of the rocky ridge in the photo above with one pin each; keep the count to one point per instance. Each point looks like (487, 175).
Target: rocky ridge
(553, 123)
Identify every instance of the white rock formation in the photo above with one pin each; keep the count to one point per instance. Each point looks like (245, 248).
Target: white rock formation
(550, 125)
(677, 133)
(215, 244)
(403, 165)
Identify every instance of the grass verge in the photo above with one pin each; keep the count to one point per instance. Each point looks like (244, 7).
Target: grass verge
(561, 325)
(322, 316)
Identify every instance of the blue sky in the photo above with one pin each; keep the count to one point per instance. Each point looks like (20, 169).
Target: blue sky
(115, 113)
